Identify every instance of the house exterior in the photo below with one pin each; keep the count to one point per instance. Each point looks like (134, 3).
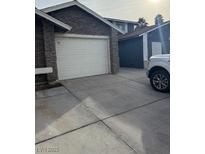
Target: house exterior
(44, 49)
(89, 47)
(137, 47)
(125, 25)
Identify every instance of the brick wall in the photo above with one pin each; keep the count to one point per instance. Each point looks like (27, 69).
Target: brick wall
(81, 21)
(84, 23)
(39, 50)
(50, 51)
(114, 54)
(45, 54)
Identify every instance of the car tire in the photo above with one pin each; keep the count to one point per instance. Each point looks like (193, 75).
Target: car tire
(160, 81)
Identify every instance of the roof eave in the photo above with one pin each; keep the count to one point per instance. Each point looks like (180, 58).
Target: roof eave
(129, 37)
(154, 28)
(73, 3)
(49, 18)
(121, 20)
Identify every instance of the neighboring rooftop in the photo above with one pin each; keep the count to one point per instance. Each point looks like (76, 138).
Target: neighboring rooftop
(140, 31)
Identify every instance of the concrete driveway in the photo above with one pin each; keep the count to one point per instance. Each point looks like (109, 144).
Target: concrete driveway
(106, 114)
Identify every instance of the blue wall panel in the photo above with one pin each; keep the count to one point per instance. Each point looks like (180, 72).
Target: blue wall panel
(131, 53)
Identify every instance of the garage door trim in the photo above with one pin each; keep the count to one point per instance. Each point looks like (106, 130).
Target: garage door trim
(82, 36)
(60, 35)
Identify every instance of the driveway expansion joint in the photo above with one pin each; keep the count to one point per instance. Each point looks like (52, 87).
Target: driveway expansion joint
(70, 92)
(118, 137)
(44, 97)
(136, 81)
(100, 120)
(66, 132)
(135, 108)
(86, 107)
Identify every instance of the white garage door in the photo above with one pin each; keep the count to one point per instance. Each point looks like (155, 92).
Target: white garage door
(80, 56)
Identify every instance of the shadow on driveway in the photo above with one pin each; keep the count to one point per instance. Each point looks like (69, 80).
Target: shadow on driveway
(125, 103)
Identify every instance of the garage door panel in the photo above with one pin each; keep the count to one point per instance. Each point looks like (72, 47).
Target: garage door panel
(87, 60)
(83, 72)
(83, 52)
(79, 57)
(83, 44)
(86, 56)
(82, 68)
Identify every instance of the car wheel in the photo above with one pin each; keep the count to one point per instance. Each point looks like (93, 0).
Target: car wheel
(160, 81)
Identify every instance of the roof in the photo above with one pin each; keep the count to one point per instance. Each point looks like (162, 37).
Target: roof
(53, 20)
(76, 3)
(140, 31)
(121, 20)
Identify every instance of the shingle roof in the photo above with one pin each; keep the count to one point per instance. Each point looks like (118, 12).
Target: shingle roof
(139, 31)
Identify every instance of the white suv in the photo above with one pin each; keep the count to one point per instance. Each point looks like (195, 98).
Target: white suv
(159, 72)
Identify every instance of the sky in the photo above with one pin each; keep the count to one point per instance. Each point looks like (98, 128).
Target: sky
(121, 9)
